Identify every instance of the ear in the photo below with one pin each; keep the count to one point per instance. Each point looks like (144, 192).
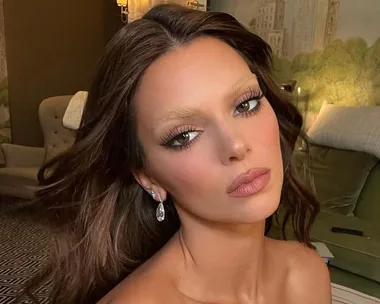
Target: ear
(150, 185)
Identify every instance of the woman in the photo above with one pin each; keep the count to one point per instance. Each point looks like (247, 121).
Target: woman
(182, 158)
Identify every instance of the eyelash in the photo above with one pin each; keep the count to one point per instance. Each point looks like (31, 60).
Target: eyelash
(171, 135)
(250, 96)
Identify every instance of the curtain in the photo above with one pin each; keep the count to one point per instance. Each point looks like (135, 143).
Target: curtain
(5, 131)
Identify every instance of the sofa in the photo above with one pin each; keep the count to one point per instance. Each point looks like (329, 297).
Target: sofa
(341, 166)
(347, 183)
(19, 176)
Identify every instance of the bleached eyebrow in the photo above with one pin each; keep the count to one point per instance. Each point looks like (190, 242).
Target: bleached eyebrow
(242, 83)
(178, 114)
(187, 113)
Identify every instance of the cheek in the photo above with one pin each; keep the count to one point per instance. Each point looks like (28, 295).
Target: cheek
(269, 140)
(184, 174)
(269, 135)
(274, 134)
(275, 145)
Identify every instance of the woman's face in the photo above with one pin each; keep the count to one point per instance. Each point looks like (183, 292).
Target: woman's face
(202, 123)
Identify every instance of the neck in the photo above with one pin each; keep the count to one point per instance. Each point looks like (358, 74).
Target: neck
(221, 263)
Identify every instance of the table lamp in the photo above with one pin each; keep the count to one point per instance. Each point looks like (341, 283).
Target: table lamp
(124, 9)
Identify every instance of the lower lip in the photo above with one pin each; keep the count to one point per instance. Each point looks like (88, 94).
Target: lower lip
(258, 184)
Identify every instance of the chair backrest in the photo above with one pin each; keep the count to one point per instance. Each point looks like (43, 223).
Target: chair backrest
(56, 137)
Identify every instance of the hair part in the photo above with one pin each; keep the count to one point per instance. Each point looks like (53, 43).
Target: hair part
(103, 222)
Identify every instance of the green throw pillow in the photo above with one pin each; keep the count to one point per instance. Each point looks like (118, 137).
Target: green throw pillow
(337, 175)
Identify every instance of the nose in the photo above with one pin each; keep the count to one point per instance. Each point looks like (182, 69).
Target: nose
(234, 146)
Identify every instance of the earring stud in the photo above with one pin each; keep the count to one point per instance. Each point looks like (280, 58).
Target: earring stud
(153, 194)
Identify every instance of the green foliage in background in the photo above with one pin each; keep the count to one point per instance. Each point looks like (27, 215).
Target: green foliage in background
(344, 73)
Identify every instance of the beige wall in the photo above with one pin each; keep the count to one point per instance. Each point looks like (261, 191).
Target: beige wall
(52, 49)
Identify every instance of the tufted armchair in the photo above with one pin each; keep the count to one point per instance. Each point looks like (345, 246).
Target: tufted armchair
(19, 176)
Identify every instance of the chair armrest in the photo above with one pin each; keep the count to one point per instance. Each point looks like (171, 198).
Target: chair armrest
(23, 156)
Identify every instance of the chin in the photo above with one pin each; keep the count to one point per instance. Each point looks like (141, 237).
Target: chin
(258, 207)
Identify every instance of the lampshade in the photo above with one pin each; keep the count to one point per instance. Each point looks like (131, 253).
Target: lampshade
(122, 3)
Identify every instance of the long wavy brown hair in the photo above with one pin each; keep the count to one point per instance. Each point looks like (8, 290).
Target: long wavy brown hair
(103, 222)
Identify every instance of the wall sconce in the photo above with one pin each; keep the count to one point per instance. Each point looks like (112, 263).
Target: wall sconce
(288, 86)
(123, 9)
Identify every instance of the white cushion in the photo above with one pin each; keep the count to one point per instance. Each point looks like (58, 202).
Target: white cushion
(347, 128)
(344, 295)
(73, 114)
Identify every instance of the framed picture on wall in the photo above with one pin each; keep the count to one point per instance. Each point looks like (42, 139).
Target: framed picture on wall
(201, 5)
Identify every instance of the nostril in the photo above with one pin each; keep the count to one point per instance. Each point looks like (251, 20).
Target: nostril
(233, 159)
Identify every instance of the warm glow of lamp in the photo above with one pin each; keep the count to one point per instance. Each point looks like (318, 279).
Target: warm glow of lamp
(299, 90)
(122, 3)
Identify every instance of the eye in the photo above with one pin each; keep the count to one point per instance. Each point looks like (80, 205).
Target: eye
(183, 139)
(180, 138)
(247, 106)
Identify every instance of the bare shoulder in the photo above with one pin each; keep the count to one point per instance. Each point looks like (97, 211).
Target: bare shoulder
(308, 278)
(134, 296)
(141, 287)
(131, 291)
(150, 283)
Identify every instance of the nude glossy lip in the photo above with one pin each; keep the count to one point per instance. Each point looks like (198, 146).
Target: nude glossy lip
(250, 182)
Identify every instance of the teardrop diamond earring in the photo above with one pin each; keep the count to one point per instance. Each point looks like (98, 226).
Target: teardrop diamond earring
(160, 211)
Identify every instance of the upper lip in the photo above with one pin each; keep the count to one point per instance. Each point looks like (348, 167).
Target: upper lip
(246, 178)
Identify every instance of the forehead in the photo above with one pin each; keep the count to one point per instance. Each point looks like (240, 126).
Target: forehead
(193, 74)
